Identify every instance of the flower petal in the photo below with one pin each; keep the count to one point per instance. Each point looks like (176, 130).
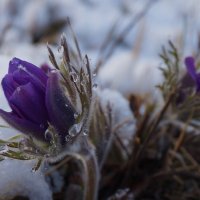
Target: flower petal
(23, 125)
(23, 77)
(16, 64)
(9, 85)
(26, 101)
(190, 64)
(46, 69)
(61, 112)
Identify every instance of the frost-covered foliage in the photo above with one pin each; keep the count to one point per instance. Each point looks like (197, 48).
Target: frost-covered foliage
(123, 120)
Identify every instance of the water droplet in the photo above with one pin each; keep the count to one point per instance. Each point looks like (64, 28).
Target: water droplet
(74, 76)
(83, 82)
(53, 71)
(68, 138)
(60, 49)
(3, 149)
(14, 61)
(33, 170)
(121, 193)
(60, 52)
(21, 67)
(95, 85)
(74, 130)
(75, 115)
(42, 126)
(48, 135)
(18, 89)
(85, 132)
(94, 74)
(24, 146)
(66, 105)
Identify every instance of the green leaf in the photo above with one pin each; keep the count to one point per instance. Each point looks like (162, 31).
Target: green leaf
(17, 155)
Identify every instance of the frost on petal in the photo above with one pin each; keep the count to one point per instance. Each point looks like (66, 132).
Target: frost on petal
(16, 64)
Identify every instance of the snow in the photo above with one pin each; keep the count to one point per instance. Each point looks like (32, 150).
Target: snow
(17, 179)
(128, 75)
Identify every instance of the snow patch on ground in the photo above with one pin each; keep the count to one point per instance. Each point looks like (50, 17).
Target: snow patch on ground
(128, 75)
(17, 179)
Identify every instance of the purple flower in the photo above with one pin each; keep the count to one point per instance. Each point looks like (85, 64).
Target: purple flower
(190, 64)
(45, 67)
(36, 99)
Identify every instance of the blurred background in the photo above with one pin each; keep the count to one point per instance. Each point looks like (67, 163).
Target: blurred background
(34, 22)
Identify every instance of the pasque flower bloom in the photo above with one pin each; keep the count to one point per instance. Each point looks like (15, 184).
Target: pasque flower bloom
(36, 99)
(191, 68)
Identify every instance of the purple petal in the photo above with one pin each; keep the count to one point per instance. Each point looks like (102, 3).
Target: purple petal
(16, 64)
(28, 103)
(23, 125)
(9, 85)
(190, 64)
(23, 77)
(61, 112)
(46, 69)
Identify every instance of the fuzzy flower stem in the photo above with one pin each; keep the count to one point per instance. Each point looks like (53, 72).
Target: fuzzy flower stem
(91, 190)
(87, 157)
